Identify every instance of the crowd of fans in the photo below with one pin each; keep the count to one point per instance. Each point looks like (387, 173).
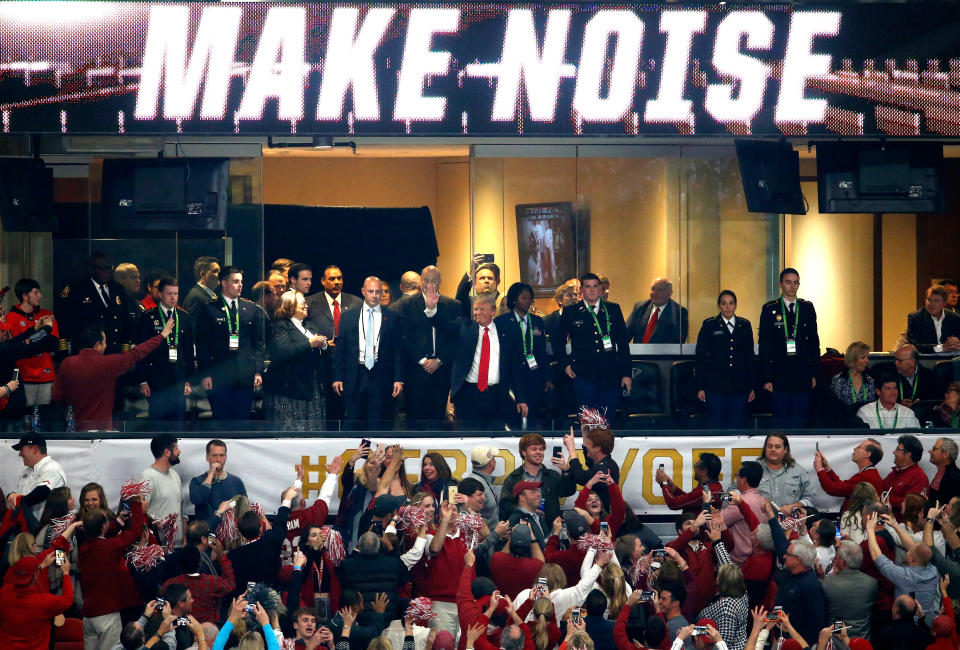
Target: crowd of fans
(444, 563)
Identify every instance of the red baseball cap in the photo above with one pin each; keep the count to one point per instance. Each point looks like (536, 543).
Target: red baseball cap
(525, 485)
(860, 644)
(707, 641)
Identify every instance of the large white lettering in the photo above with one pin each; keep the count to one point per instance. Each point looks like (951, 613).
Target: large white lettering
(210, 62)
(421, 62)
(669, 104)
(283, 36)
(728, 61)
(800, 64)
(627, 29)
(540, 69)
(349, 63)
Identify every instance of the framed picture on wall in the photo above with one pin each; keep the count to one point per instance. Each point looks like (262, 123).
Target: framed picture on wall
(547, 245)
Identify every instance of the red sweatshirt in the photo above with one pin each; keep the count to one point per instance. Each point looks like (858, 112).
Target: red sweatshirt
(677, 499)
(835, 487)
(25, 614)
(104, 577)
(37, 369)
(468, 611)
(88, 381)
(698, 578)
(513, 574)
(946, 642)
(618, 510)
(448, 562)
(902, 482)
(569, 560)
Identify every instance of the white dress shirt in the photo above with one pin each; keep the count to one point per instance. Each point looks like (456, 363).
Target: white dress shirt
(938, 325)
(899, 415)
(493, 372)
(656, 310)
(362, 338)
(331, 300)
(97, 286)
(730, 324)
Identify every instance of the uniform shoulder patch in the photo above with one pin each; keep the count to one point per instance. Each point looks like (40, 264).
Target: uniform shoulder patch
(65, 292)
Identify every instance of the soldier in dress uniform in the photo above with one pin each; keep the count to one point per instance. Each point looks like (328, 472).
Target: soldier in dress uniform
(789, 352)
(95, 298)
(725, 365)
(599, 358)
(231, 344)
(165, 373)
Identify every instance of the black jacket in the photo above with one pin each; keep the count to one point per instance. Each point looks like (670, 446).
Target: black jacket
(417, 330)
(949, 486)
(532, 379)
(157, 369)
(259, 561)
(673, 325)
(927, 387)
(374, 574)
(788, 373)
(79, 304)
(922, 333)
(318, 312)
(293, 363)
(346, 360)
(725, 362)
(214, 357)
(588, 357)
(509, 360)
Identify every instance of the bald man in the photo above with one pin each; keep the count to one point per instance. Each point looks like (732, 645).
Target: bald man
(410, 283)
(659, 319)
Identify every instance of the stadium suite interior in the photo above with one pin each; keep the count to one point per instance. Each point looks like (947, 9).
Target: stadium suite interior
(669, 208)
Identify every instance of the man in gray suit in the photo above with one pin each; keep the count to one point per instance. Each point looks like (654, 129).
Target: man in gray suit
(850, 592)
(660, 319)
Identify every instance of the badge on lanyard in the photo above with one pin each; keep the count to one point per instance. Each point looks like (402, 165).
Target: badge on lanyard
(532, 362)
(791, 347)
(234, 342)
(172, 354)
(607, 343)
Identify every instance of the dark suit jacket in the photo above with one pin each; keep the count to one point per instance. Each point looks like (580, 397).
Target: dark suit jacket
(417, 330)
(259, 561)
(672, 324)
(791, 373)
(294, 365)
(196, 297)
(318, 312)
(157, 369)
(535, 379)
(346, 360)
(509, 360)
(587, 356)
(922, 333)
(79, 304)
(725, 362)
(927, 386)
(214, 357)
(949, 485)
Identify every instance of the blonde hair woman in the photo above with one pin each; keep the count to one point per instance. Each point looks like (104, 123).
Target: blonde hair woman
(293, 396)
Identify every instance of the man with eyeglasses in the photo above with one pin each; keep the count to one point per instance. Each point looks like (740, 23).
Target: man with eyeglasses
(906, 476)
(914, 382)
(95, 299)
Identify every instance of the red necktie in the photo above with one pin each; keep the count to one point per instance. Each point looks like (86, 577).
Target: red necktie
(652, 325)
(484, 361)
(336, 317)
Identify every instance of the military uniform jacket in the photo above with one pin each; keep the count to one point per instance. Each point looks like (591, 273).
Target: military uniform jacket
(157, 369)
(587, 355)
(725, 362)
(79, 304)
(789, 373)
(215, 358)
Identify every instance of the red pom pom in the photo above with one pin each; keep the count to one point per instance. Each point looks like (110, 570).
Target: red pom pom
(60, 524)
(411, 517)
(599, 542)
(144, 558)
(334, 546)
(420, 611)
(593, 419)
(167, 528)
(134, 488)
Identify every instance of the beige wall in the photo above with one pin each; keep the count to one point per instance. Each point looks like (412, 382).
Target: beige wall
(834, 255)
(899, 274)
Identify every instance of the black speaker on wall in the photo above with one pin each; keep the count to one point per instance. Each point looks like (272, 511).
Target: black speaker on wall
(771, 176)
(26, 196)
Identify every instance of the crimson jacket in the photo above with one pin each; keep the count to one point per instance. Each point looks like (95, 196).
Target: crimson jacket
(104, 577)
(902, 482)
(835, 487)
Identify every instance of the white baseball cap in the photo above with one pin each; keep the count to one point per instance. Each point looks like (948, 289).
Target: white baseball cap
(483, 455)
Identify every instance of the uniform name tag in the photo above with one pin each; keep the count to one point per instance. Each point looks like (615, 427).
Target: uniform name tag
(234, 342)
(607, 343)
(531, 362)
(172, 354)
(791, 346)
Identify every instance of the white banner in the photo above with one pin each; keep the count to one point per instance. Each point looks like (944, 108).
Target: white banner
(267, 465)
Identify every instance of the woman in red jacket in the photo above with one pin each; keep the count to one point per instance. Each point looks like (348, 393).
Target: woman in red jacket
(589, 501)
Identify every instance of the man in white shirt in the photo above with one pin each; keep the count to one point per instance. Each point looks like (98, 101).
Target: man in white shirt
(933, 329)
(167, 495)
(886, 413)
(367, 368)
(41, 475)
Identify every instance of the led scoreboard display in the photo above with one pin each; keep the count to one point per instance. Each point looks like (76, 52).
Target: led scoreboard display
(479, 69)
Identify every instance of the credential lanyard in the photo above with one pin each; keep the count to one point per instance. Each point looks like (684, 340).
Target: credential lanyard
(233, 326)
(597, 322)
(174, 337)
(916, 381)
(527, 351)
(896, 416)
(796, 320)
(863, 390)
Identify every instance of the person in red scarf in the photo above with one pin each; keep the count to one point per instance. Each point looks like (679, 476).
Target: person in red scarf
(435, 477)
